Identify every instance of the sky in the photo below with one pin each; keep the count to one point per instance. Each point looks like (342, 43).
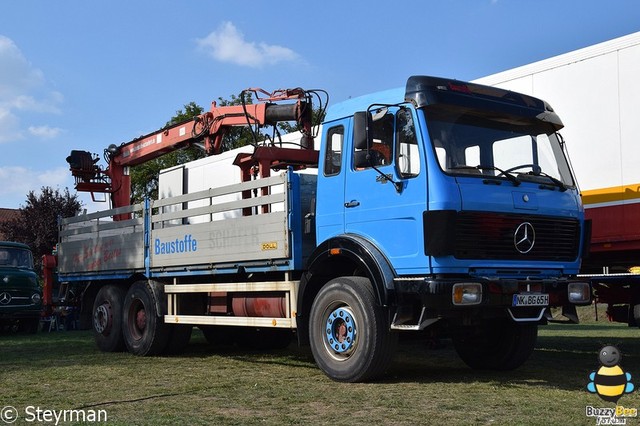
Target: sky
(78, 74)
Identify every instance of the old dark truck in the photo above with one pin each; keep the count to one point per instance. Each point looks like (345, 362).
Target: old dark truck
(20, 290)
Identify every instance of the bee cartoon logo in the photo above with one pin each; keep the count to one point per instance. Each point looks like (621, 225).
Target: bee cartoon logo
(610, 382)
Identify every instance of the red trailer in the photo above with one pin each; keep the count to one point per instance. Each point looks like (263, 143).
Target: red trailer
(596, 90)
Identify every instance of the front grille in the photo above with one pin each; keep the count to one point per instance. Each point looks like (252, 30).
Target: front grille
(480, 235)
(15, 298)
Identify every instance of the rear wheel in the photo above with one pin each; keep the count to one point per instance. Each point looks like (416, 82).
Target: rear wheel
(145, 332)
(496, 345)
(349, 334)
(107, 318)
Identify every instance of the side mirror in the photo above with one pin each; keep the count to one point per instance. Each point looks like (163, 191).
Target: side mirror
(360, 141)
(361, 159)
(360, 130)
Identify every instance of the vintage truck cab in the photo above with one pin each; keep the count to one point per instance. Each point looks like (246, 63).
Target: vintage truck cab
(463, 198)
(20, 291)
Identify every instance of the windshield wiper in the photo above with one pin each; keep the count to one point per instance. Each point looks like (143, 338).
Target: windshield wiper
(506, 173)
(556, 182)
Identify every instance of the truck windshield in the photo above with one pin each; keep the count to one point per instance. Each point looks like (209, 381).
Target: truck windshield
(13, 257)
(479, 143)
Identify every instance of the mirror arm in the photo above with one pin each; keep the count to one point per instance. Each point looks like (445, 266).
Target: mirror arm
(399, 186)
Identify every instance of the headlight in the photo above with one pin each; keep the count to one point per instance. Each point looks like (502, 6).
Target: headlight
(579, 292)
(466, 293)
(35, 298)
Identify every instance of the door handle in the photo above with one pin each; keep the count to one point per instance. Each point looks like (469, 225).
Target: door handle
(352, 203)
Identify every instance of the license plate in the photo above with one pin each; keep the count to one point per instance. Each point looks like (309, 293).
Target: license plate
(530, 300)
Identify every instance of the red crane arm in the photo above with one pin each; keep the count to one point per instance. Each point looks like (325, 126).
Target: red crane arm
(208, 128)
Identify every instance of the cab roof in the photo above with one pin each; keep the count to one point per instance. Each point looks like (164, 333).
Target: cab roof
(14, 245)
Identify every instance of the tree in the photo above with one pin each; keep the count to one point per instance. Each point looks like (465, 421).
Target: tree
(37, 222)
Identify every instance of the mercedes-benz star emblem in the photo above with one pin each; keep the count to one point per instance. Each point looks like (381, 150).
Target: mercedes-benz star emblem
(5, 298)
(524, 238)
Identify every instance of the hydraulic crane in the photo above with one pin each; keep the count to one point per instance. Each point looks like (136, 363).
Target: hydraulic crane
(206, 130)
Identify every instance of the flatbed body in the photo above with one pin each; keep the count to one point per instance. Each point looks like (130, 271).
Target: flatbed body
(193, 241)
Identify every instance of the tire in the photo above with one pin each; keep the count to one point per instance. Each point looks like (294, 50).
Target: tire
(348, 307)
(497, 345)
(145, 333)
(263, 339)
(107, 318)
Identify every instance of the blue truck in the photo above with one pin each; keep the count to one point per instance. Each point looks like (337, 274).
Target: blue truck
(443, 207)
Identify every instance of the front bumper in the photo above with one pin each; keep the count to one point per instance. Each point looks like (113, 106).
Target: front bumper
(444, 296)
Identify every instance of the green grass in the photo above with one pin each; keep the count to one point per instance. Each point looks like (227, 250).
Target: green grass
(64, 370)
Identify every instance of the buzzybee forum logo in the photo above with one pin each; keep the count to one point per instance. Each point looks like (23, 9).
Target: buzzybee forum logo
(610, 382)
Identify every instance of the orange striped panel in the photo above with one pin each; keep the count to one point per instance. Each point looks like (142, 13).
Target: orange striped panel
(612, 194)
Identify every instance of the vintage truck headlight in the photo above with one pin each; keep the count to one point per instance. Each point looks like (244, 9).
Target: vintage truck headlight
(35, 298)
(466, 293)
(579, 292)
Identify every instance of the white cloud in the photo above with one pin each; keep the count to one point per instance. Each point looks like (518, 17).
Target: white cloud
(45, 132)
(22, 90)
(18, 75)
(29, 103)
(57, 177)
(17, 181)
(9, 126)
(227, 44)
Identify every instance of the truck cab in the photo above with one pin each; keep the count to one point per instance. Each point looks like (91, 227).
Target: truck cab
(463, 196)
(20, 292)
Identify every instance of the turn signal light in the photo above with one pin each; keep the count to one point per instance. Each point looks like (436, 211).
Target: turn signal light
(467, 293)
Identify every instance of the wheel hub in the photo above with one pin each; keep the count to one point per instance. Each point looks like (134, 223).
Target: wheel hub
(137, 322)
(141, 319)
(103, 318)
(341, 330)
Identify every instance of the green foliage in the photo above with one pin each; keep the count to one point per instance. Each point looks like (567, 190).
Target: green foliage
(37, 223)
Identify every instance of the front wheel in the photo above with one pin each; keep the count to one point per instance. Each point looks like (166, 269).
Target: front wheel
(496, 345)
(349, 333)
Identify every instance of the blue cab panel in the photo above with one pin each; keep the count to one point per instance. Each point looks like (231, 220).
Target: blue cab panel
(447, 177)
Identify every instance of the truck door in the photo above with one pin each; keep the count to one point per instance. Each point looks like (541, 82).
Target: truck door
(330, 191)
(373, 207)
